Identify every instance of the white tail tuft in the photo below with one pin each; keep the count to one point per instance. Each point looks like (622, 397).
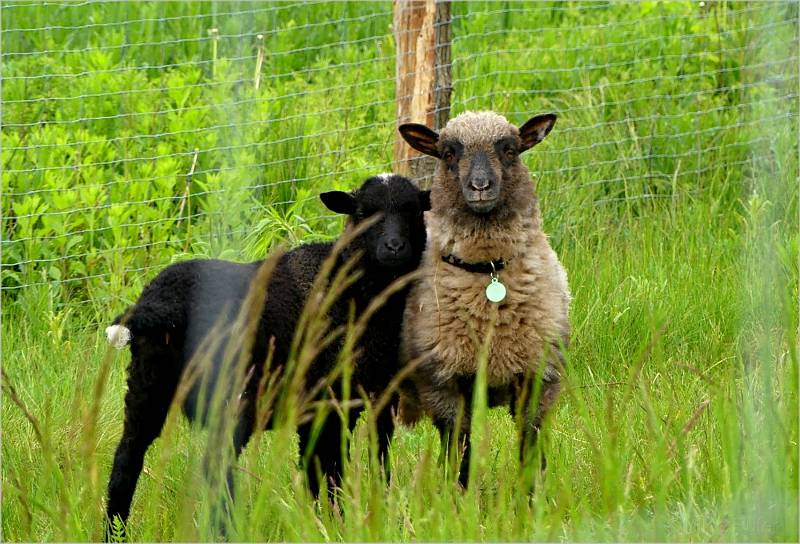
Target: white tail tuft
(118, 336)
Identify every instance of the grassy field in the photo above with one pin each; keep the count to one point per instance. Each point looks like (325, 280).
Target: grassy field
(669, 188)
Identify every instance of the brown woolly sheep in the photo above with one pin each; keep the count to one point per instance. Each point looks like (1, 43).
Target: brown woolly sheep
(484, 233)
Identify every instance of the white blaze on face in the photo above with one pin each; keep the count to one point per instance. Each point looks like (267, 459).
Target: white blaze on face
(118, 336)
(384, 177)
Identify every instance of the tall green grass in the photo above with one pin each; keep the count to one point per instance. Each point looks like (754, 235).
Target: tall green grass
(669, 188)
(679, 419)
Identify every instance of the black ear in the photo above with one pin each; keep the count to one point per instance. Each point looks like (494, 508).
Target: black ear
(420, 138)
(339, 202)
(425, 200)
(535, 129)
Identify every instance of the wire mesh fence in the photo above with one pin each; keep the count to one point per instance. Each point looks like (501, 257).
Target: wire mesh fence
(134, 134)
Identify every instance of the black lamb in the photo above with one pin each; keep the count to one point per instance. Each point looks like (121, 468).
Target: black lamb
(177, 311)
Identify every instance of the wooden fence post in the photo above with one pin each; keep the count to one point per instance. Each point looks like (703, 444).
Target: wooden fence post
(422, 36)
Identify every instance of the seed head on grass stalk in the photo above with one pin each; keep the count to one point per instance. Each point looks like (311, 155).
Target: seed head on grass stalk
(313, 334)
(226, 400)
(89, 437)
(234, 342)
(354, 332)
(52, 466)
(480, 404)
(284, 398)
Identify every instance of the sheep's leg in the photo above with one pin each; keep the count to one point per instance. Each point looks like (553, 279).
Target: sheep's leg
(448, 435)
(385, 429)
(222, 514)
(324, 456)
(128, 462)
(447, 402)
(146, 405)
(241, 436)
(534, 398)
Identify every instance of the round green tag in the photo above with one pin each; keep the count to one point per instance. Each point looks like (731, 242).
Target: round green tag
(495, 291)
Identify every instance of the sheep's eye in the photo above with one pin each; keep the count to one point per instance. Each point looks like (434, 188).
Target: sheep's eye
(509, 151)
(448, 155)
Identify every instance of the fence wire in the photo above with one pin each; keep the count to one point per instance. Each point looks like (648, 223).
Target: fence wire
(138, 133)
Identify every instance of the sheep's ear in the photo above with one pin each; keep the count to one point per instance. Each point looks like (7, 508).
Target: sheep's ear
(535, 129)
(425, 200)
(339, 202)
(421, 138)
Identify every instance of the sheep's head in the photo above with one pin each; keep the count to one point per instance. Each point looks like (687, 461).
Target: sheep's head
(397, 240)
(479, 151)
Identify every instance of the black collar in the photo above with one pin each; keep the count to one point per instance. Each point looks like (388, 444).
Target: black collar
(482, 268)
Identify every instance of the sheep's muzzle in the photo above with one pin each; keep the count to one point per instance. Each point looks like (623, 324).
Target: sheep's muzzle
(480, 187)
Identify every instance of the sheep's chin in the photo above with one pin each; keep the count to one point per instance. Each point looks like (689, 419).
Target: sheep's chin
(389, 263)
(482, 207)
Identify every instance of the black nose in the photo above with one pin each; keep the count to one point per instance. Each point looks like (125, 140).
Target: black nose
(395, 245)
(479, 183)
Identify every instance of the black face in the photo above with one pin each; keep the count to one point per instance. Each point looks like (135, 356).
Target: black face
(397, 240)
